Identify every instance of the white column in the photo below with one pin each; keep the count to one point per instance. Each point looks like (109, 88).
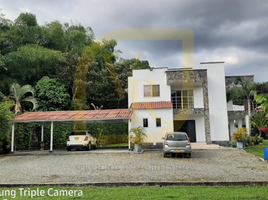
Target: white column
(129, 126)
(239, 121)
(42, 133)
(51, 138)
(247, 121)
(12, 138)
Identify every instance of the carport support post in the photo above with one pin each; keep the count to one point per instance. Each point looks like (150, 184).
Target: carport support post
(51, 138)
(12, 138)
(42, 133)
(129, 127)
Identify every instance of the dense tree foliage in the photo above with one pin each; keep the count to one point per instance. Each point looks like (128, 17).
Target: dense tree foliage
(52, 95)
(262, 88)
(68, 69)
(5, 116)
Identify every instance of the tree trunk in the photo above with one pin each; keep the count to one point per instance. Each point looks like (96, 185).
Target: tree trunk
(249, 118)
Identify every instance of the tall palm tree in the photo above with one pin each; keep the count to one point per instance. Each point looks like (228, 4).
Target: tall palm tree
(17, 94)
(246, 90)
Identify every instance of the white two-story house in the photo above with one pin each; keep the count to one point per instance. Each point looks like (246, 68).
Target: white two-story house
(190, 100)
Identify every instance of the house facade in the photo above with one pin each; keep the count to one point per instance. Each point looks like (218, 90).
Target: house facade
(191, 100)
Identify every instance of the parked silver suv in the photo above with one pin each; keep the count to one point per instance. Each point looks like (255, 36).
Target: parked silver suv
(176, 142)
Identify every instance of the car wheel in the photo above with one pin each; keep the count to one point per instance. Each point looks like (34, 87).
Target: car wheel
(69, 149)
(95, 147)
(88, 147)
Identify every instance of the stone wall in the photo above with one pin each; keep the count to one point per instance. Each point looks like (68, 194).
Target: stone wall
(179, 76)
(191, 76)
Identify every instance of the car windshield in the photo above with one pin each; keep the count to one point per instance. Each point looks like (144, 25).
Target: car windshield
(177, 137)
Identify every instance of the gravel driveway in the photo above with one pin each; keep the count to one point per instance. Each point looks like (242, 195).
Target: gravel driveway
(206, 165)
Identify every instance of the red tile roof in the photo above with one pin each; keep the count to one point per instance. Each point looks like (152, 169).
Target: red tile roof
(74, 115)
(151, 105)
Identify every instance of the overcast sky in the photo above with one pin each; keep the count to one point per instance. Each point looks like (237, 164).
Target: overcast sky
(232, 31)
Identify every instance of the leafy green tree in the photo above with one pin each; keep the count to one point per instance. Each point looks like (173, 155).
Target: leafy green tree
(5, 116)
(135, 64)
(1, 96)
(29, 64)
(26, 19)
(245, 91)
(262, 88)
(52, 95)
(66, 70)
(21, 94)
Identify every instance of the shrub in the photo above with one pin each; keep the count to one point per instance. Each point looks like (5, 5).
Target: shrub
(241, 135)
(260, 139)
(233, 144)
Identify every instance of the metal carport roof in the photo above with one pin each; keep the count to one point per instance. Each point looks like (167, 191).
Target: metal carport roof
(69, 117)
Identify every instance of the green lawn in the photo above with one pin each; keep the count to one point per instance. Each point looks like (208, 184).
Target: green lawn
(258, 149)
(116, 145)
(152, 193)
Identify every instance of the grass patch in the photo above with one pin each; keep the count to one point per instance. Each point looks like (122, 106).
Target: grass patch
(116, 145)
(258, 149)
(145, 193)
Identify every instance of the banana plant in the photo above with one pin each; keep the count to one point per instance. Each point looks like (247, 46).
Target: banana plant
(17, 95)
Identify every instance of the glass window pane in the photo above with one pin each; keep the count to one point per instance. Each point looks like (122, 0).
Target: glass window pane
(156, 92)
(158, 122)
(190, 93)
(145, 122)
(147, 91)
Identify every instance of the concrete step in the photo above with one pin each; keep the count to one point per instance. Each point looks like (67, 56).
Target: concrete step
(203, 145)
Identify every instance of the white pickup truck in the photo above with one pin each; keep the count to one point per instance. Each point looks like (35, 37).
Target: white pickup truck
(81, 140)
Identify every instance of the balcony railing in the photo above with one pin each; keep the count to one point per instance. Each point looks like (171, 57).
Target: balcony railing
(241, 105)
(188, 102)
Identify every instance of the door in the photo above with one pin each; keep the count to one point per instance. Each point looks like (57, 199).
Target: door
(187, 126)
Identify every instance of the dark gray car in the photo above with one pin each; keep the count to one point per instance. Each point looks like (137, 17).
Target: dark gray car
(176, 142)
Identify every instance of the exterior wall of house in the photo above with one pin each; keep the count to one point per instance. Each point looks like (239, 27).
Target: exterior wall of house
(147, 77)
(215, 97)
(136, 94)
(217, 101)
(198, 97)
(154, 133)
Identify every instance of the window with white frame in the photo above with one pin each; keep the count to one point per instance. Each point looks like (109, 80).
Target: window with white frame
(183, 99)
(151, 90)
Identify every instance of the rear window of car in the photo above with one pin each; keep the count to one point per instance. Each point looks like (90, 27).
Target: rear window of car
(78, 133)
(177, 137)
